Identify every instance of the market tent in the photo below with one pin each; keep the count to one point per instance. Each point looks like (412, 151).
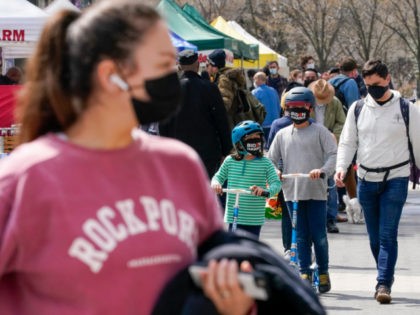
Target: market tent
(193, 12)
(220, 24)
(58, 5)
(182, 24)
(266, 53)
(181, 44)
(21, 23)
(248, 50)
(205, 37)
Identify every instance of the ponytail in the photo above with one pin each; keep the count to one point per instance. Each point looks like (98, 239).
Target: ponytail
(45, 102)
(60, 75)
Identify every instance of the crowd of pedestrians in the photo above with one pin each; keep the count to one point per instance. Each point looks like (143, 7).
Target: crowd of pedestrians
(314, 121)
(144, 189)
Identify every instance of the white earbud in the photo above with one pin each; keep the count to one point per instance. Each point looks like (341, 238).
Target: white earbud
(116, 79)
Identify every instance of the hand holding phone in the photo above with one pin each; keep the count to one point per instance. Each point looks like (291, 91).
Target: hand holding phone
(253, 283)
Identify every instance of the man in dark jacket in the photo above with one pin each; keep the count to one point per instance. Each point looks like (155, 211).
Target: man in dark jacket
(275, 80)
(201, 121)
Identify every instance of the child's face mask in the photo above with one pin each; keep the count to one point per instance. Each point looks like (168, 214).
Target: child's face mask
(253, 146)
(299, 115)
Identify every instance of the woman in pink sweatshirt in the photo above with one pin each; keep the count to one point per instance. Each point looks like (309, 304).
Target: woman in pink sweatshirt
(96, 218)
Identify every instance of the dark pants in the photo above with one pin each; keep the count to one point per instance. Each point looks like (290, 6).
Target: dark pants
(286, 224)
(332, 202)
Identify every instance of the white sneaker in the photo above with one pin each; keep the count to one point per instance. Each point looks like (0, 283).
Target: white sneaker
(348, 209)
(358, 216)
(287, 255)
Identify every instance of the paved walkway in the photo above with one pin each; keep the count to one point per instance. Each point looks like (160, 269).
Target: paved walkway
(353, 271)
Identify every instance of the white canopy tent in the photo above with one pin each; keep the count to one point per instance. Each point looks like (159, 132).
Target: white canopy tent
(58, 5)
(263, 48)
(21, 23)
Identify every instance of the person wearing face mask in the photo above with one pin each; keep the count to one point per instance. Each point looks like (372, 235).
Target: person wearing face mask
(380, 139)
(307, 62)
(247, 168)
(275, 80)
(309, 76)
(96, 215)
(306, 147)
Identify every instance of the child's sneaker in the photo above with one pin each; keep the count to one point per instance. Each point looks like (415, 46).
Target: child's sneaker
(383, 294)
(349, 209)
(324, 283)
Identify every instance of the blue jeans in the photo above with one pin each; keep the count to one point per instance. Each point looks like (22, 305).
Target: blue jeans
(382, 205)
(311, 221)
(332, 202)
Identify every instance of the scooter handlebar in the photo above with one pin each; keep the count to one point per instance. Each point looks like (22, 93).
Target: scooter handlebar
(300, 175)
(241, 191)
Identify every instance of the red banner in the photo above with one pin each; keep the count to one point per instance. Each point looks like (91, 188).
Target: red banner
(7, 104)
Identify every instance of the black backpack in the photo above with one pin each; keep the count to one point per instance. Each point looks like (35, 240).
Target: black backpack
(405, 112)
(340, 95)
(287, 293)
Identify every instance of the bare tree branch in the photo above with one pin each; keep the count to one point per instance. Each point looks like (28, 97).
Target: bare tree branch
(319, 21)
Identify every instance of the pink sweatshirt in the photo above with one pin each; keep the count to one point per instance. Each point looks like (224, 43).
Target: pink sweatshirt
(89, 232)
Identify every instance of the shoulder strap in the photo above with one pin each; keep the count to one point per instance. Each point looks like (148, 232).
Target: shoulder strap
(405, 112)
(341, 83)
(358, 108)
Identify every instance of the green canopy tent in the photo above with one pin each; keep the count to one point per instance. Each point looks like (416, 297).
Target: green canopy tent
(248, 51)
(204, 36)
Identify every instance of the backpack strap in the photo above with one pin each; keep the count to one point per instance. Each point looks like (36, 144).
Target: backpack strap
(405, 112)
(358, 108)
(341, 83)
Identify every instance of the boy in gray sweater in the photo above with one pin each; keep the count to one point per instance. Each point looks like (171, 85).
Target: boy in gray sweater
(306, 147)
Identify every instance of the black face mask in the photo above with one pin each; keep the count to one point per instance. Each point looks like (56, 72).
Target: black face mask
(299, 115)
(377, 91)
(165, 97)
(252, 146)
(308, 81)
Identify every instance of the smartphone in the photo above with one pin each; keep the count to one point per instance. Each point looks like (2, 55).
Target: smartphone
(254, 284)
